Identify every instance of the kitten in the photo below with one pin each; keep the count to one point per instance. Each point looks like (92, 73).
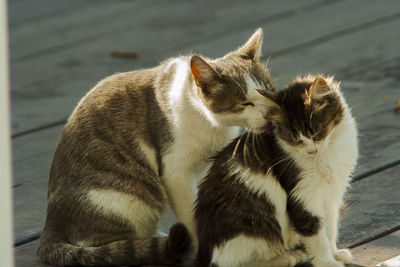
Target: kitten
(139, 141)
(272, 199)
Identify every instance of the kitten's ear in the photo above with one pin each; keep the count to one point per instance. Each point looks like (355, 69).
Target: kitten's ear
(268, 95)
(274, 110)
(203, 73)
(252, 48)
(318, 89)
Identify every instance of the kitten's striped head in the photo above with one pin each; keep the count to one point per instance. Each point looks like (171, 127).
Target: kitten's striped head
(306, 112)
(229, 86)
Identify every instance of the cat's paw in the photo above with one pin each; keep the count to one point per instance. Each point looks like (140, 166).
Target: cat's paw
(344, 255)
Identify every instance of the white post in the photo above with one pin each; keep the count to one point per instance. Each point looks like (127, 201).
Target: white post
(6, 228)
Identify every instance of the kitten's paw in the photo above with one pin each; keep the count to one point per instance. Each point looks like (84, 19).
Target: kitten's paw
(344, 255)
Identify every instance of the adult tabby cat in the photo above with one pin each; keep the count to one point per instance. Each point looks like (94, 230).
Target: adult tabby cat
(139, 141)
(272, 199)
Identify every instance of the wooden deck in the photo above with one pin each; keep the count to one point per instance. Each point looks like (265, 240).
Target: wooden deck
(60, 49)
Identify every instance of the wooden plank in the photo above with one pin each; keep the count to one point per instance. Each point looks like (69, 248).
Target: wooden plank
(32, 155)
(393, 262)
(92, 22)
(53, 93)
(29, 209)
(25, 256)
(377, 251)
(23, 11)
(341, 54)
(373, 207)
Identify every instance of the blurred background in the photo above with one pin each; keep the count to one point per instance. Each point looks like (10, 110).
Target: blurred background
(61, 49)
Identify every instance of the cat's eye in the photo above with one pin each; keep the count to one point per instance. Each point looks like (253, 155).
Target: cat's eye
(248, 104)
(300, 142)
(317, 137)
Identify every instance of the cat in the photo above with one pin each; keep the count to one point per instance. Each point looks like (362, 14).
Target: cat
(139, 141)
(273, 198)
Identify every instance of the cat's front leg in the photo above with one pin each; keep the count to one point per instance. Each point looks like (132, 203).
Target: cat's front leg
(332, 220)
(180, 191)
(306, 214)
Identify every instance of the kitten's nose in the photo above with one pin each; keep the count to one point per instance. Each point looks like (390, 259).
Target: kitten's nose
(312, 150)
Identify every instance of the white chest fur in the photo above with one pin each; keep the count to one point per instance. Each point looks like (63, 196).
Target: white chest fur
(196, 139)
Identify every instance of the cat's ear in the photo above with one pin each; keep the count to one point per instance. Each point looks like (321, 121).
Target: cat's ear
(318, 89)
(203, 74)
(252, 48)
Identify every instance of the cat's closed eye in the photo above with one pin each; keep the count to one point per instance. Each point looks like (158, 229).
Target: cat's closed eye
(248, 104)
(300, 142)
(317, 137)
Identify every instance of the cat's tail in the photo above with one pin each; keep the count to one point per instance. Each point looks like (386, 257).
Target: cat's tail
(173, 250)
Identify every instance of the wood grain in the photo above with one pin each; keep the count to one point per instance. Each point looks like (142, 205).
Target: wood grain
(373, 207)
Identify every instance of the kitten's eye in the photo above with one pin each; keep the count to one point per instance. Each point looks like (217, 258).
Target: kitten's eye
(248, 104)
(300, 142)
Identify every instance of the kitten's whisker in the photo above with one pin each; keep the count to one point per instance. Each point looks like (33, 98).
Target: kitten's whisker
(255, 150)
(245, 154)
(291, 160)
(236, 146)
(260, 139)
(279, 161)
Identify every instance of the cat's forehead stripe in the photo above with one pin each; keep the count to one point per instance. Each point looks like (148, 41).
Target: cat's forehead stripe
(252, 83)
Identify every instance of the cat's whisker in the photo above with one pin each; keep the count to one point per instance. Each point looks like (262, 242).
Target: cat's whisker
(238, 84)
(236, 146)
(245, 150)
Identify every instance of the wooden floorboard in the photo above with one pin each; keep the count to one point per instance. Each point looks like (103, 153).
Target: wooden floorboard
(378, 251)
(373, 207)
(70, 74)
(341, 54)
(61, 48)
(32, 157)
(93, 23)
(26, 11)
